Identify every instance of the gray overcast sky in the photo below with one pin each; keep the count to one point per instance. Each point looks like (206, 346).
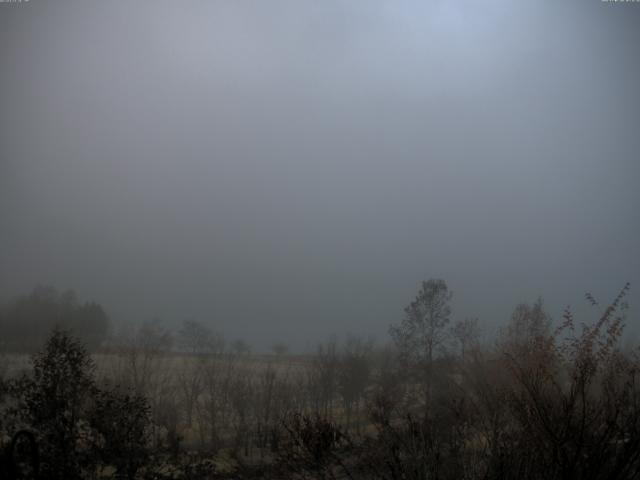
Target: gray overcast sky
(291, 169)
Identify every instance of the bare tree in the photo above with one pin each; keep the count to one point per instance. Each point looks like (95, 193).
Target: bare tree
(214, 407)
(241, 394)
(465, 334)
(273, 398)
(354, 374)
(145, 352)
(323, 377)
(190, 380)
(196, 338)
(528, 326)
(423, 331)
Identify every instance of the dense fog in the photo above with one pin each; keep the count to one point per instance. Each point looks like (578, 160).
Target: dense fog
(286, 170)
(319, 240)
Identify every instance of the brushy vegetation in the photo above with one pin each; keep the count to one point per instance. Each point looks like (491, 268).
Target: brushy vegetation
(541, 403)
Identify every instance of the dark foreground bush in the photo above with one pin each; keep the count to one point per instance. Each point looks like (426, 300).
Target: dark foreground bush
(544, 406)
(80, 429)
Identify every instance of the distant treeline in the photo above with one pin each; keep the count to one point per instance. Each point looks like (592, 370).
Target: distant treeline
(26, 321)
